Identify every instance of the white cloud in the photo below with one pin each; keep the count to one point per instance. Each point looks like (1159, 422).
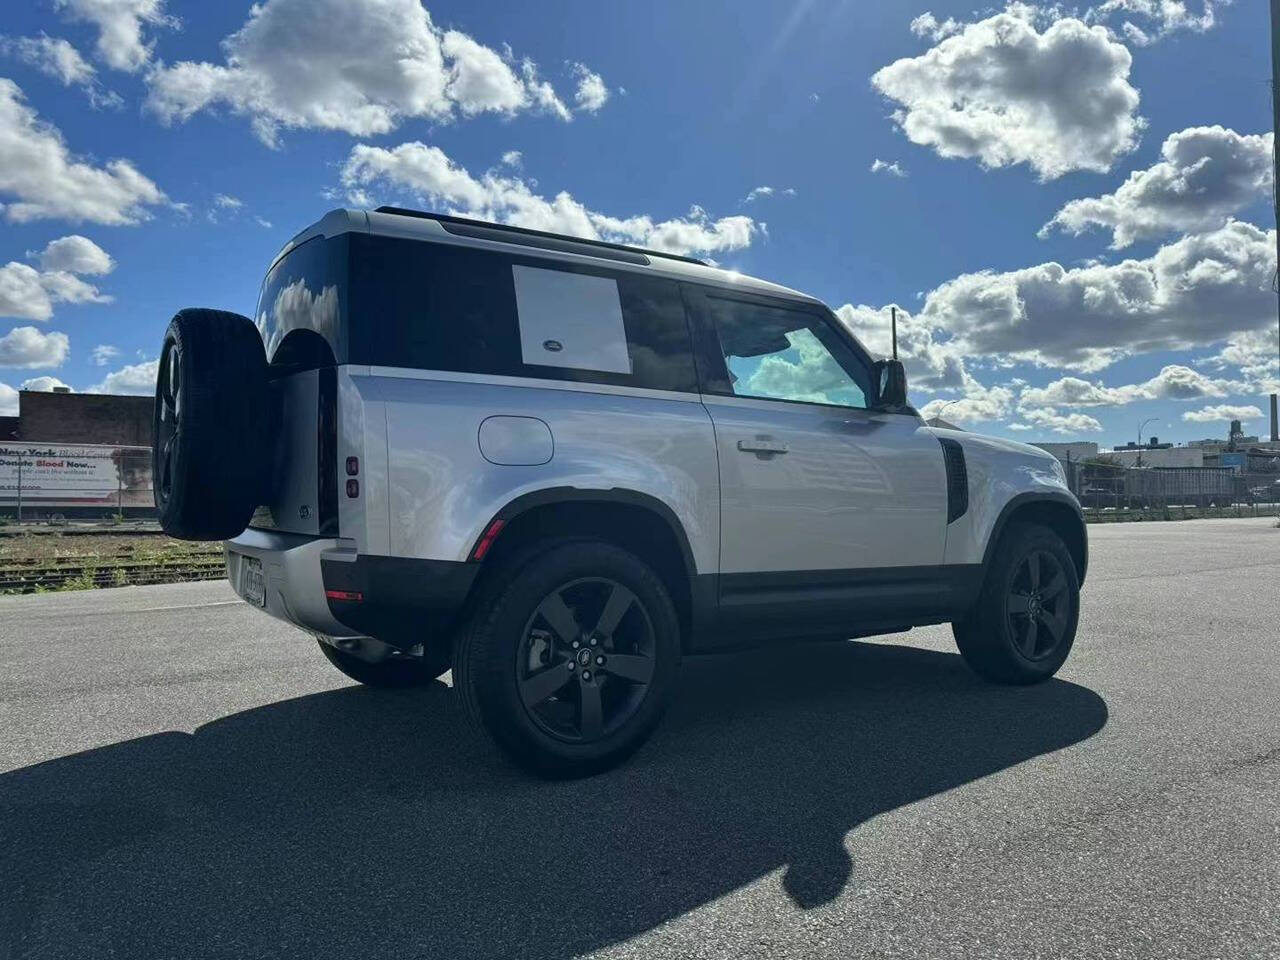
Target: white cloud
(43, 384)
(265, 224)
(894, 169)
(121, 24)
(103, 354)
(22, 294)
(27, 347)
(1002, 92)
(513, 159)
(29, 294)
(1254, 353)
(1162, 17)
(978, 405)
(228, 202)
(48, 181)
(1068, 424)
(1197, 291)
(480, 80)
(1206, 175)
(430, 173)
(55, 57)
(927, 25)
(1173, 382)
(930, 365)
(762, 192)
(8, 401)
(592, 94)
(1223, 412)
(137, 379)
(76, 254)
(308, 64)
(66, 287)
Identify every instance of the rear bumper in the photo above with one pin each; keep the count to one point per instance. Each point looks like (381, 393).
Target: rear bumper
(292, 565)
(323, 585)
(401, 601)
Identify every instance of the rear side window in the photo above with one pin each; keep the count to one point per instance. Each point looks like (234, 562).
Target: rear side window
(570, 320)
(441, 307)
(307, 290)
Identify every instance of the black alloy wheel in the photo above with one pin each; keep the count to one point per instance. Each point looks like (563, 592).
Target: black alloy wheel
(168, 419)
(586, 659)
(1023, 622)
(570, 656)
(1038, 606)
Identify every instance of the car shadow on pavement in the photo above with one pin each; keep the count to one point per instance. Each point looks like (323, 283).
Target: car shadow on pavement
(358, 822)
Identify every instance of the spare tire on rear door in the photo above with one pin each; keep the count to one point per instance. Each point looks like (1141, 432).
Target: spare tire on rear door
(210, 463)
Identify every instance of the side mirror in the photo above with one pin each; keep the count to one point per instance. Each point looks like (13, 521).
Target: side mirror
(891, 384)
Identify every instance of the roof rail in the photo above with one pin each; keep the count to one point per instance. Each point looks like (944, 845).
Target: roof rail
(479, 228)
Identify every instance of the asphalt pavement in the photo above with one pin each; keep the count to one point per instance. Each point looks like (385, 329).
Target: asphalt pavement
(181, 776)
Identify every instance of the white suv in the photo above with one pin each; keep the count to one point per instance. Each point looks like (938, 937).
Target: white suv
(556, 465)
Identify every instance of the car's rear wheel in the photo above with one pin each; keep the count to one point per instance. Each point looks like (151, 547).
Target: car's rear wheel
(1024, 623)
(571, 657)
(394, 671)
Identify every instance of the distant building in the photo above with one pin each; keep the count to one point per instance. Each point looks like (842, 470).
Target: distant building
(1072, 452)
(83, 418)
(8, 428)
(1164, 455)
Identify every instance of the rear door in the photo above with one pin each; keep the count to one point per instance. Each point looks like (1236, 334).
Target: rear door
(825, 502)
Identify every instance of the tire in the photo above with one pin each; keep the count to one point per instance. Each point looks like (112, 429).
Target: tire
(209, 454)
(508, 660)
(397, 672)
(997, 639)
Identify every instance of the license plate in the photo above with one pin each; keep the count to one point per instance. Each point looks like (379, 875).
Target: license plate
(253, 583)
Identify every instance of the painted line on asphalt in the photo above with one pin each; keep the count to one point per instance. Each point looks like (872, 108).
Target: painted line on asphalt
(184, 606)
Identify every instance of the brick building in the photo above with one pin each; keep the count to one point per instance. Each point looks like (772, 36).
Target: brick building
(83, 418)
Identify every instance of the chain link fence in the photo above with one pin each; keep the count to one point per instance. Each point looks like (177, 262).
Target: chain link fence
(1110, 491)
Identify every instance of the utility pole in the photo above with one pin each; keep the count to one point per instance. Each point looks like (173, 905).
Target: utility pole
(1141, 427)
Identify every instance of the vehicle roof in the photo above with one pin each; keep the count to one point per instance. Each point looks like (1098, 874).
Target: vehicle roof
(425, 226)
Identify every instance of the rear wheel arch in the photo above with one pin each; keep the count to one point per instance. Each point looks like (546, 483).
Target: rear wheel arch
(1059, 512)
(637, 522)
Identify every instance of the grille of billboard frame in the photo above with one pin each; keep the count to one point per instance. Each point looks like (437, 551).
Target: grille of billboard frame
(75, 475)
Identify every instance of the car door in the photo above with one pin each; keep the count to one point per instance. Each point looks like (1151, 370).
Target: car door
(831, 510)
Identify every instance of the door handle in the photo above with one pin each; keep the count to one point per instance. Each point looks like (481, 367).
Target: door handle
(761, 445)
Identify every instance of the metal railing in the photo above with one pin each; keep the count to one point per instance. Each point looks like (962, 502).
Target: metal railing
(1108, 490)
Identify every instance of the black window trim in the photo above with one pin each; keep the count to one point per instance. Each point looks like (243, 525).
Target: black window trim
(713, 371)
(618, 272)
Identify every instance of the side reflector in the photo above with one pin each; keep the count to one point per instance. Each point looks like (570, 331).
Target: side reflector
(490, 535)
(350, 596)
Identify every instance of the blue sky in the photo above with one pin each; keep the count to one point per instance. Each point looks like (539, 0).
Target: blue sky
(125, 123)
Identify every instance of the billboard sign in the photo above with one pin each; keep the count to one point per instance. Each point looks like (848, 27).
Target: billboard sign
(74, 475)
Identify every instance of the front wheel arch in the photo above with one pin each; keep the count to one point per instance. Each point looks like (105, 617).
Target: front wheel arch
(1059, 512)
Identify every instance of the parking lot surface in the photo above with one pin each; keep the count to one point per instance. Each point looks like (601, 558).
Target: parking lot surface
(181, 776)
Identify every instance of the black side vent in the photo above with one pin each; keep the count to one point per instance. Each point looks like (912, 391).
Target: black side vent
(957, 479)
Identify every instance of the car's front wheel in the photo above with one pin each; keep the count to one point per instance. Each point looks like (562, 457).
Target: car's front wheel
(1024, 623)
(571, 657)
